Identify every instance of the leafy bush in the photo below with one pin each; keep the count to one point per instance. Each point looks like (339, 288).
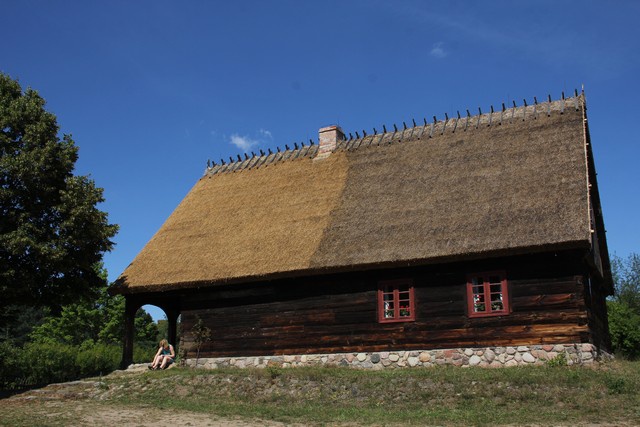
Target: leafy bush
(42, 363)
(143, 354)
(624, 328)
(624, 307)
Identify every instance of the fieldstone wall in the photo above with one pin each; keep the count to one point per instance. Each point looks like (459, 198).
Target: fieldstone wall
(492, 357)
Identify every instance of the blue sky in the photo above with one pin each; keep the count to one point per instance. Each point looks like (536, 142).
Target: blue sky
(152, 89)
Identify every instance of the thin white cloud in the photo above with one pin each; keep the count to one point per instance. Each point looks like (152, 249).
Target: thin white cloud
(438, 51)
(243, 142)
(266, 133)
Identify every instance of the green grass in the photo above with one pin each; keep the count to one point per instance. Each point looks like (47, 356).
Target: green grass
(545, 395)
(446, 395)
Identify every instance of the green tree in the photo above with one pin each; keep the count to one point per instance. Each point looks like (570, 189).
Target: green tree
(51, 232)
(624, 307)
(98, 321)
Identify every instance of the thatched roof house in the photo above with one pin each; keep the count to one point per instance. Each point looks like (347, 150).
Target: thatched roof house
(496, 186)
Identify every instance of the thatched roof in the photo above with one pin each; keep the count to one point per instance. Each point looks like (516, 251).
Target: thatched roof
(509, 182)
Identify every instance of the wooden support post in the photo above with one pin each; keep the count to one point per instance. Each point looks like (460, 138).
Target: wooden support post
(129, 318)
(172, 319)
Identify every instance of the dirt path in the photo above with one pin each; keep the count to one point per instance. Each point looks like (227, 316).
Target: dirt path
(75, 404)
(28, 410)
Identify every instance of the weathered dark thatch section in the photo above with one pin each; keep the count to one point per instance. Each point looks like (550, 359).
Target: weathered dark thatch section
(510, 182)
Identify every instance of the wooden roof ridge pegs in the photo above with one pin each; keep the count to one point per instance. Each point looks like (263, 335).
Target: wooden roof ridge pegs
(375, 132)
(286, 146)
(535, 108)
(490, 116)
(254, 159)
(384, 129)
(549, 106)
(575, 99)
(246, 156)
(278, 148)
(350, 136)
(222, 161)
(230, 159)
(479, 115)
(422, 128)
(433, 125)
(562, 104)
(413, 129)
(404, 125)
(262, 159)
(466, 122)
(444, 125)
(209, 163)
(296, 152)
(357, 135)
(502, 113)
(455, 124)
(302, 144)
(311, 140)
(524, 109)
(239, 158)
(513, 110)
(395, 128)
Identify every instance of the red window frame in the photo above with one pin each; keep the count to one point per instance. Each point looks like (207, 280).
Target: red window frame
(483, 287)
(396, 301)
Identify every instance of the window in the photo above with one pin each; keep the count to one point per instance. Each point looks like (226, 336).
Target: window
(487, 294)
(395, 301)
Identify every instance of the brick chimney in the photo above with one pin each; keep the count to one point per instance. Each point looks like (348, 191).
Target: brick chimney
(329, 137)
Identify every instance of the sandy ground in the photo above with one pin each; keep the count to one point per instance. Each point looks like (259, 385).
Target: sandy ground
(81, 413)
(68, 404)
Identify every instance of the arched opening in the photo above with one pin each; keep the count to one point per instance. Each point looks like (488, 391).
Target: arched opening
(145, 325)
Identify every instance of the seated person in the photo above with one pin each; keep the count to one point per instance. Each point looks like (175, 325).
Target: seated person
(164, 357)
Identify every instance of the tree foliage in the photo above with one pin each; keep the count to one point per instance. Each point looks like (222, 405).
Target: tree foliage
(51, 232)
(100, 321)
(624, 307)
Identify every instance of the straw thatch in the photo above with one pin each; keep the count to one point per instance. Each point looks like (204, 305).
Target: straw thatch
(511, 182)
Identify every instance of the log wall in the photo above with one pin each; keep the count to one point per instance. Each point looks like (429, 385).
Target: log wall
(338, 313)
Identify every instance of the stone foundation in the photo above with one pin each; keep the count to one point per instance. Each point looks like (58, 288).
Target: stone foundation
(491, 357)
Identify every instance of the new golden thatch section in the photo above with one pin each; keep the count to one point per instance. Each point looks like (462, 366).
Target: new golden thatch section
(476, 223)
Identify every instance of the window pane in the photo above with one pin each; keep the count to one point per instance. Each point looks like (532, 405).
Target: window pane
(389, 312)
(405, 311)
(403, 295)
(388, 297)
(478, 289)
(497, 305)
(496, 297)
(496, 288)
(478, 303)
